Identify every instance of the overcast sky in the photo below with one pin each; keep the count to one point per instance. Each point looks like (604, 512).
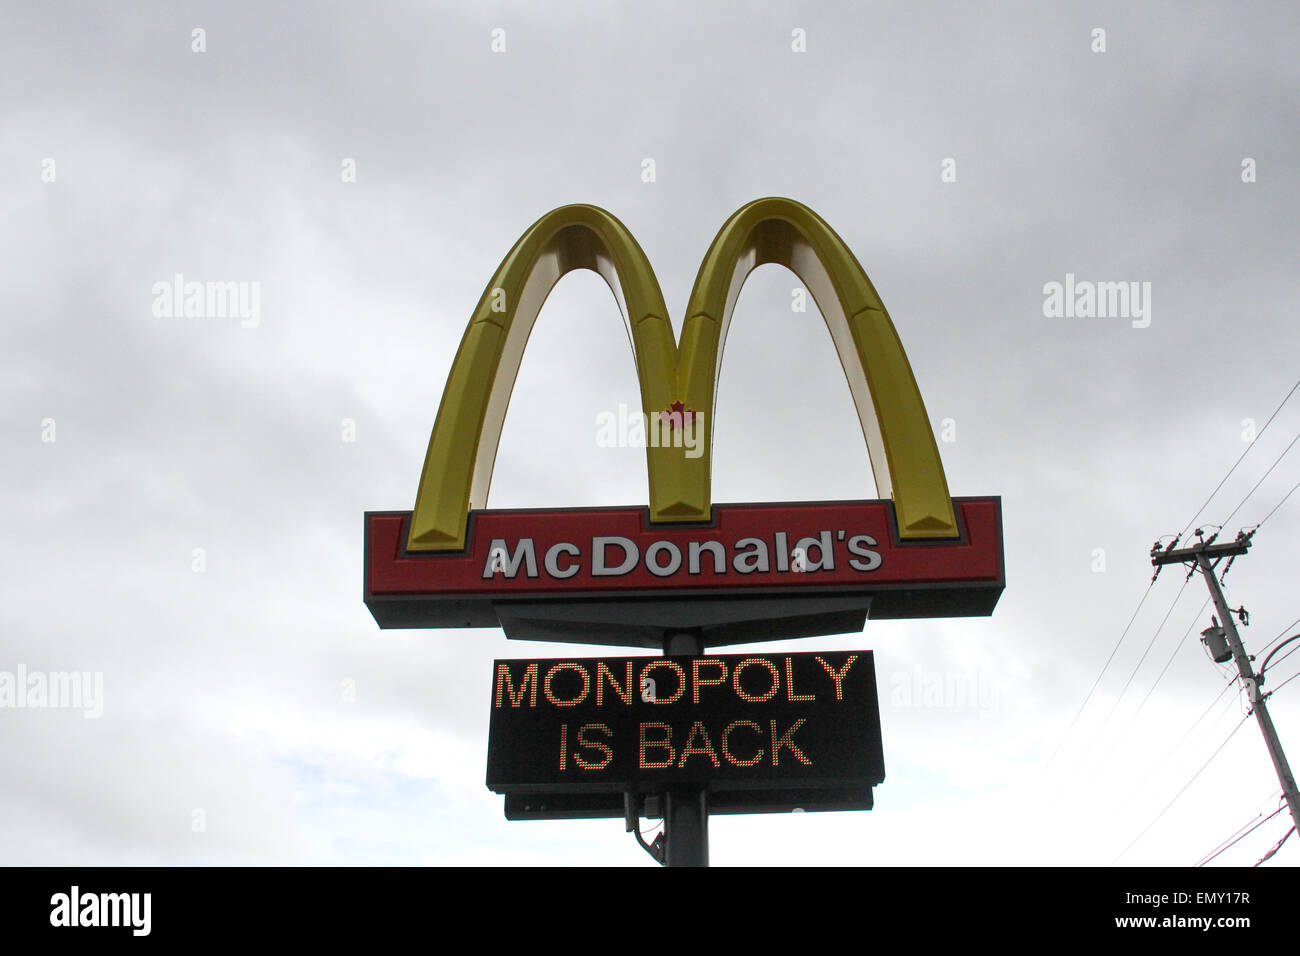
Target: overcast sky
(183, 508)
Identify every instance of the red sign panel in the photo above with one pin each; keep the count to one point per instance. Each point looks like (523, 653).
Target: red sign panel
(787, 569)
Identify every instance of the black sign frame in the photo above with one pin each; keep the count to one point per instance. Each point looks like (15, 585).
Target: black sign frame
(574, 738)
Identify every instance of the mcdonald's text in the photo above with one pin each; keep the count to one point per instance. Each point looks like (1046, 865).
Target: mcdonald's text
(615, 555)
(848, 550)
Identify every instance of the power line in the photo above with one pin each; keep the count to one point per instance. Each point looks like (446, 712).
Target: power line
(1177, 647)
(1286, 655)
(1261, 480)
(1279, 504)
(1227, 685)
(1259, 434)
(1285, 682)
(1154, 767)
(1230, 842)
(1216, 753)
(1092, 690)
(1278, 845)
(1196, 723)
(1129, 682)
(1281, 635)
(1237, 836)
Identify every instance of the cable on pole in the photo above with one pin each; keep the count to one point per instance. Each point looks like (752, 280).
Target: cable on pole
(1284, 683)
(1278, 505)
(1153, 767)
(1177, 647)
(1216, 753)
(1129, 682)
(1278, 846)
(1281, 635)
(1097, 682)
(1237, 836)
(1261, 480)
(1259, 434)
(656, 847)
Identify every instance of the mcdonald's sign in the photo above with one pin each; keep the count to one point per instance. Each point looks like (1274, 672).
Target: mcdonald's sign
(737, 572)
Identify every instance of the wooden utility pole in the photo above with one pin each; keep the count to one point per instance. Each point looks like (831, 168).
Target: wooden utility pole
(1205, 555)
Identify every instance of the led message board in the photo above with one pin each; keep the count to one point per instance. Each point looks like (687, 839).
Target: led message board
(570, 736)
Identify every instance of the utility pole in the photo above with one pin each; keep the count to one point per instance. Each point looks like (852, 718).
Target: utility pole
(1206, 555)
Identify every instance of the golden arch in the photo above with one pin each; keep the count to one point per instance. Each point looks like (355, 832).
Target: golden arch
(462, 450)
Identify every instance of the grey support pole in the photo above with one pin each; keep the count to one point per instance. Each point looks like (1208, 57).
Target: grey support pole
(686, 809)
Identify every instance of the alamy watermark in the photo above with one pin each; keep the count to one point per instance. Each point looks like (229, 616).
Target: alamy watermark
(64, 690)
(78, 908)
(179, 299)
(676, 427)
(1085, 299)
(944, 690)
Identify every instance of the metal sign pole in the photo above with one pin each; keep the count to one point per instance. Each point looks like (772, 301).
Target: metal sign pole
(686, 809)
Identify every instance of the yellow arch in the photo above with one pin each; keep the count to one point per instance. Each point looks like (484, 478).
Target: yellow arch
(462, 450)
(894, 422)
